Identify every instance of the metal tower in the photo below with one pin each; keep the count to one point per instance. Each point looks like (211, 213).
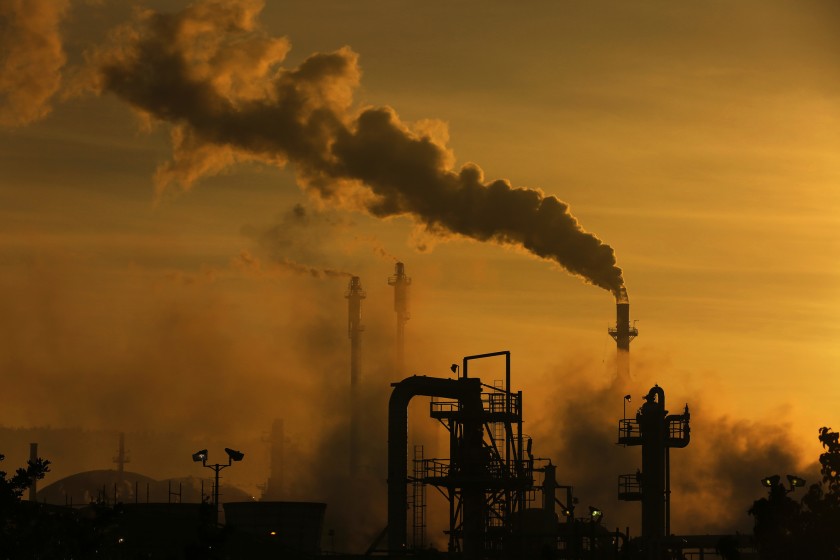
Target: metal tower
(657, 432)
(622, 333)
(121, 458)
(400, 282)
(486, 479)
(355, 294)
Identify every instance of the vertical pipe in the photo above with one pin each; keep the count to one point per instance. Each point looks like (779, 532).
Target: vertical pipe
(468, 392)
(622, 333)
(653, 428)
(216, 498)
(550, 489)
(667, 491)
(400, 282)
(355, 295)
(33, 457)
(121, 459)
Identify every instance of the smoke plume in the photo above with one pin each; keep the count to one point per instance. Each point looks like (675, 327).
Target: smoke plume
(31, 58)
(215, 76)
(713, 481)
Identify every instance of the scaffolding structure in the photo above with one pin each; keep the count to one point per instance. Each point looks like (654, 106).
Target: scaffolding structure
(504, 475)
(418, 502)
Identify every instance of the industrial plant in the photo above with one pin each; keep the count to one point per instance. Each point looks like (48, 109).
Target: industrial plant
(501, 499)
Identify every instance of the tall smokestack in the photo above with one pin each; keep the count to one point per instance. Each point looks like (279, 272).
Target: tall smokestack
(274, 488)
(400, 282)
(33, 456)
(121, 457)
(622, 333)
(355, 295)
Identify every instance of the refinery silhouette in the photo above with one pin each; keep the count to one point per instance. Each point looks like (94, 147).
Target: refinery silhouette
(500, 500)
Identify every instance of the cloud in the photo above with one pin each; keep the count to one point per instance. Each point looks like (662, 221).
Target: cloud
(31, 58)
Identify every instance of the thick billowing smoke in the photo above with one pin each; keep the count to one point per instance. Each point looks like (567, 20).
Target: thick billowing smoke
(713, 481)
(31, 58)
(215, 76)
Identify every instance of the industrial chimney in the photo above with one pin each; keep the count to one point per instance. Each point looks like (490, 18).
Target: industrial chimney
(400, 282)
(355, 294)
(121, 458)
(622, 333)
(274, 487)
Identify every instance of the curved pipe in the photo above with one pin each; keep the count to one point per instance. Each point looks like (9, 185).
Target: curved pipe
(465, 390)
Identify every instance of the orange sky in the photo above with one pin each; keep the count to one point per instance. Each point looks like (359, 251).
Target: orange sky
(699, 141)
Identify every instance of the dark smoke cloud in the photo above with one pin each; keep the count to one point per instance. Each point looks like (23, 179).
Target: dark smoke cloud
(298, 239)
(31, 58)
(215, 76)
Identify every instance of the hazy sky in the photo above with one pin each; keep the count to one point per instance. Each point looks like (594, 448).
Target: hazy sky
(698, 140)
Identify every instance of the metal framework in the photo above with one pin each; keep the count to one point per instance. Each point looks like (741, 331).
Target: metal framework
(506, 473)
(657, 432)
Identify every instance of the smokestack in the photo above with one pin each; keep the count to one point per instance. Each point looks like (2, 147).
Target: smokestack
(400, 282)
(622, 333)
(33, 456)
(121, 458)
(355, 294)
(274, 488)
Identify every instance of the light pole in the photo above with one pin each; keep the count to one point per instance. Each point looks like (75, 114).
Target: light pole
(233, 455)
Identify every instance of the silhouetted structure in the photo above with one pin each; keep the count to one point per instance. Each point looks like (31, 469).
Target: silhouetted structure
(400, 282)
(355, 294)
(233, 455)
(487, 476)
(657, 432)
(622, 333)
(274, 487)
(122, 457)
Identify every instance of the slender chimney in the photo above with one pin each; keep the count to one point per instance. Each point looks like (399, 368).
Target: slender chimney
(355, 294)
(622, 333)
(400, 282)
(274, 488)
(121, 458)
(33, 456)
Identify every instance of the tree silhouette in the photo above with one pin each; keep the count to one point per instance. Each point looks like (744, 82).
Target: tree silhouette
(12, 489)
(789, 530)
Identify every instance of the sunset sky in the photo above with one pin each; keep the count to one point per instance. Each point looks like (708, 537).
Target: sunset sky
(701, 141)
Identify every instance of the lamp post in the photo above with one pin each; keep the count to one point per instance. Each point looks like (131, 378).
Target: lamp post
(233, 455)
(774, 482)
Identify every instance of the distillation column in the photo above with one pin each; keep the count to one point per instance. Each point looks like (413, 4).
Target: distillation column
(274, 487)
(622, 333)
(400, 282)
(355, 294)
(656, 432)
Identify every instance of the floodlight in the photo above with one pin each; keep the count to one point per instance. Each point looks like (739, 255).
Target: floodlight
(770, 481)
(454, 368)
(233, 454)
(200, 456)
(595, 513)
(795, 481)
